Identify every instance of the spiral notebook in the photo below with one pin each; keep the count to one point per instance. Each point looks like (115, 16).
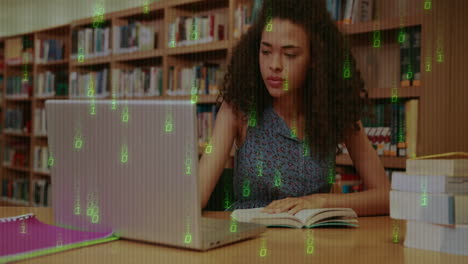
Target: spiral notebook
(25, 236)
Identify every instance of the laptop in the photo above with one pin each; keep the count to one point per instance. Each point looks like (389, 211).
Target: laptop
(131, 166)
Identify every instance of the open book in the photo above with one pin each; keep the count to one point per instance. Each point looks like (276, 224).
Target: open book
(306, 218)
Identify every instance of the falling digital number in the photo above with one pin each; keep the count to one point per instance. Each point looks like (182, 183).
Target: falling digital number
(233, 227)
(188, 239)
(208, 148)
(78, 143)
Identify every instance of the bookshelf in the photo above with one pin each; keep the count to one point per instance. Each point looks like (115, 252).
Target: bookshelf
(18, 74)
(2, 89)
(380, 64)
(389, 18)
(51, 69)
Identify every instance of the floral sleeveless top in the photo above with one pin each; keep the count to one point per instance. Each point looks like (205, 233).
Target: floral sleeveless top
(273, 164)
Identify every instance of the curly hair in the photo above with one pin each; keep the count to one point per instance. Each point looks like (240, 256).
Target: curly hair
(332, 99)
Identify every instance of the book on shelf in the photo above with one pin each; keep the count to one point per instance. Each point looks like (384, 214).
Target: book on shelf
(45, 84)
(19, 50)
(204, 78)
(333, 7)
(90, 43)
(364, 11)
(416, 59)
(306, 218)
(2, 61)
(138, 82)
(244, 16)
(393, 131)
(350, 11)
(410, 56)
(348, 182)
(40, 122)
(206, 116)
(448, 239)
(16, 153)
(42, 193)
(89, 85)
(14, 121)
(41, 158)
(187, 30)
(18, 87)
(15, 191)
(411, 108)
(401, 139)
(29, 237)
(136, 36)
(48, 50)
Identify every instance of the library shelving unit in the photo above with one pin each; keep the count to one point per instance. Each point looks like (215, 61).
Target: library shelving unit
(51, 82)
(389, 18)
(375, 46)
(18, 76)
(442, 112)
(2, 89)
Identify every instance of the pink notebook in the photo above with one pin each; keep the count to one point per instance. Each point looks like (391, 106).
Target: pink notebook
(25, 236)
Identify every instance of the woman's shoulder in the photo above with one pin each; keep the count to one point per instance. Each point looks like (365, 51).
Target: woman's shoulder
(236, 118)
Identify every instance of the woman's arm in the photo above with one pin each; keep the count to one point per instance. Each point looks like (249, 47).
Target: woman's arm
(373, 201)
(211, 164)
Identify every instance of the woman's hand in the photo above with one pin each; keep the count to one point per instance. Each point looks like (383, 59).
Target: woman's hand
(294, 204)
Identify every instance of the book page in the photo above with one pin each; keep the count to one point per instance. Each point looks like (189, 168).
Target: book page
(305, 214)
(246, 215)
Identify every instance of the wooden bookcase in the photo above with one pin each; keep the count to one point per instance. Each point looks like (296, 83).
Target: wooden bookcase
(389, 17)
(20, 69)
(2, 88)
(383, 81)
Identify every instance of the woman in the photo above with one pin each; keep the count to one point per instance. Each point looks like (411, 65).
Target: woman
(291, 94)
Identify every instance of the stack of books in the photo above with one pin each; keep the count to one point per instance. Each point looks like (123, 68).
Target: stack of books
(433, 197)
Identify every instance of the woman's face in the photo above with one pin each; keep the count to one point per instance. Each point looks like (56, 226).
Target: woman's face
(284, 57)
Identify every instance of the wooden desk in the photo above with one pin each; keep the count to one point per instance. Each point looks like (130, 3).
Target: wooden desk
(371, 243)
